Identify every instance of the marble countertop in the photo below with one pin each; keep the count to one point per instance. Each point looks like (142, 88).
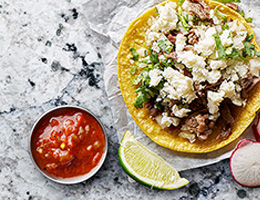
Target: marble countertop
(48, 58)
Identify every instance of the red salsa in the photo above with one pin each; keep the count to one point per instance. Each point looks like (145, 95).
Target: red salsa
(68, 143)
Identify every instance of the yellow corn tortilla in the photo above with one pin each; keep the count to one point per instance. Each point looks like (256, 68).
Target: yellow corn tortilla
(135, 38)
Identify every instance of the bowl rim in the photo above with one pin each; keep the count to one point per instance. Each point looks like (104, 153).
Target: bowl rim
(77, 179)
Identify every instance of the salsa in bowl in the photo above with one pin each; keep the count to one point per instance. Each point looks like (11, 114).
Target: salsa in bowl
(68, 144)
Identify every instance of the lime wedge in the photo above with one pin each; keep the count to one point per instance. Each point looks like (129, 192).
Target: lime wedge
(146, 167)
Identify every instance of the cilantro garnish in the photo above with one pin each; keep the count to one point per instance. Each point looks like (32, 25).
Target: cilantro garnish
(225, 26)
(221, 50)
(132, 71)
(165, 45)
(134, 53)
(242, 13)
(153, 56)
(220, 14)
(183, 20)
(180, 2)
(249, 49)
(226, 52)
(249, 20)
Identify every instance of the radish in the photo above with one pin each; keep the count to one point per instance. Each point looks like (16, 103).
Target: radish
(256, 129)
(245, 163)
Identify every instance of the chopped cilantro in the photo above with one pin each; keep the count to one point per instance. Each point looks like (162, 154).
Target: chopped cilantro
(220, 14)
(249, 20)
(221, 50)
(132, 71)
(242, 13)
(195, 18)
(180, 2)
(145, 53)
(134, 53)
(249, 48)
(226, 53)
(225, 26)
(235, 54)
(153, 57)
(165, 45)
(183, 20)
(231, 35)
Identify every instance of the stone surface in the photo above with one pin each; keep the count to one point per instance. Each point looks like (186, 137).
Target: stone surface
(47, 59)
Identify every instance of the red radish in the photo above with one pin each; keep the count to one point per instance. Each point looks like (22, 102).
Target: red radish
(256, 129)
(245, 163)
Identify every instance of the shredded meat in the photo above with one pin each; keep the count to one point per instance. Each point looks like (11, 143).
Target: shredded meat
(172, 103)
(232, 6)
(149, 105)
(171, 38)
(226, 113)
(225, 132)
(187, 72)
(199, 8)
(188, 48)
(200, 125)
(152, 110)
(173, 55)
(192, 37)
(248, 84)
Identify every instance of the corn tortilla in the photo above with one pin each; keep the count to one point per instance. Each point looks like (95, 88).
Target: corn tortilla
(135, 38)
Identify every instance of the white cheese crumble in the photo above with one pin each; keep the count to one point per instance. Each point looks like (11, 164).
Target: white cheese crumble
(228, 88)
(225, 38)
(254, 66)
(166, 121)
(180, 43)
(214, 100)
(156, 77)
(207, 46)
(191, 60)
(165, 22)
(213, 76)
(178, 86)
(216, 19)
(180, 112)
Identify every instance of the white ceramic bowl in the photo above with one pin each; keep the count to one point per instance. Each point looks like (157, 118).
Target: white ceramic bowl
(72, 180)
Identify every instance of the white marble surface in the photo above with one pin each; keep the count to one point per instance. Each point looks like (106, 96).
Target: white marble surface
(37, 75)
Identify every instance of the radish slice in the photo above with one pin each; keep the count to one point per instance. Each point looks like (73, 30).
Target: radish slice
(256, 129)
(245, 163)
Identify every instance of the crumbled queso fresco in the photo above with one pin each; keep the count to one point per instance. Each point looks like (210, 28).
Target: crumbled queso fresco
(196, 62)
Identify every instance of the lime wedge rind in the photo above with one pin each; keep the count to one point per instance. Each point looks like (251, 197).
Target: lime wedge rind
(146, 167)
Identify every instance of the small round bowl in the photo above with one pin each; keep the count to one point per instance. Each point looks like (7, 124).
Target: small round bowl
(76, 179)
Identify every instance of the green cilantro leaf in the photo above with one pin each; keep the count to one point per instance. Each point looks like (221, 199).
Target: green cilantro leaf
(153, 56)
(220, 14)
(165, 45)
(184, 23)
(225, 26)
(249, 20)
(249, 48)
(134, 53)
(221, 50)
(242, 13)
(180, 2)
(132, 71)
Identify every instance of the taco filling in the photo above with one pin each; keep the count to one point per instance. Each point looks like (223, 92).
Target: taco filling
(196, 66)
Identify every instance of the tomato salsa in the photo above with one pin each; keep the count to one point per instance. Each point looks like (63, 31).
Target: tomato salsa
(68, 143)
